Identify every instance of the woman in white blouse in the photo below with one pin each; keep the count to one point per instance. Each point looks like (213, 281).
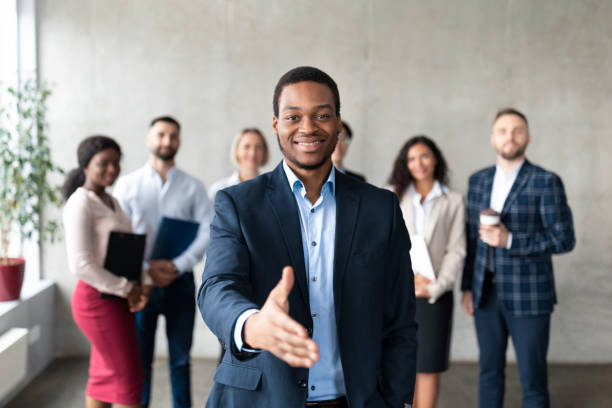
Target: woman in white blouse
(437, 215)
(90, 214)
(248, 153)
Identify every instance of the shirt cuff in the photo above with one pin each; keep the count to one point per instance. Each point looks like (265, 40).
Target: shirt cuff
(509, 244)
(435, 291)
(181, 265)
(238, 341)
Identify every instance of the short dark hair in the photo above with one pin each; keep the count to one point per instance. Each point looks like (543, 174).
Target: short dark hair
(167, 119)
(401, 178)
(348, 130)
(510, 111)
(301, 74)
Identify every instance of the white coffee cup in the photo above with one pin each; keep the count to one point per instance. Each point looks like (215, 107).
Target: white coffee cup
(489, 219)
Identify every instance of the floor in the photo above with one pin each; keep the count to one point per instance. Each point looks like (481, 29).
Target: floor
(62, 385)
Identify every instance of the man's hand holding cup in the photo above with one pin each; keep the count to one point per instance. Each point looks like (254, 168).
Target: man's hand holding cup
(492, 232)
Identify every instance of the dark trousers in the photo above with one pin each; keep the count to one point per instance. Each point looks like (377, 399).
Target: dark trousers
(177, 303)
(530, 335)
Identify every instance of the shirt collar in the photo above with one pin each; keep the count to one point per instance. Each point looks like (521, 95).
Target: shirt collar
(437, 190)
(294, 181)
(512, 174)
(151, 172)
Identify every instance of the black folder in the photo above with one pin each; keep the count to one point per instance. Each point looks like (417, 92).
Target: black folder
(124, 255)
(173, 237)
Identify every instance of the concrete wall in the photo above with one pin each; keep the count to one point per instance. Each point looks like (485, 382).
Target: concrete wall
(403, 67)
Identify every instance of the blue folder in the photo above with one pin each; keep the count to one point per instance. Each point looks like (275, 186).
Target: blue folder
(173, 237)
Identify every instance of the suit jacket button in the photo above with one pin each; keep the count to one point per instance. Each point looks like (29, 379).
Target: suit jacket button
(302, 383)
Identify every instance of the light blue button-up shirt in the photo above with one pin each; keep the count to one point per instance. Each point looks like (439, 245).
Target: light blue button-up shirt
(318, 227)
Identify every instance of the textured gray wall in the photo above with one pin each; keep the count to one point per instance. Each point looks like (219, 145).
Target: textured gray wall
(403, 67)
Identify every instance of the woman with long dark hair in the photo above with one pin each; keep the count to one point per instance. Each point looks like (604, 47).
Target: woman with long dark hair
(90, 214)
(434, 213)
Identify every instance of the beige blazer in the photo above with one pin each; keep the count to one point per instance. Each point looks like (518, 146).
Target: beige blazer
(445, 238)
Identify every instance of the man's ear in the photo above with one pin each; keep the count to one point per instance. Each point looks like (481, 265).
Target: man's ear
(275, 125)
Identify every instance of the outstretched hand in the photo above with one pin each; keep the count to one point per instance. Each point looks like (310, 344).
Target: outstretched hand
(272, 329)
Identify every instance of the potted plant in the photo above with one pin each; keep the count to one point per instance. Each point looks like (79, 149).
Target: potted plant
(25, 164)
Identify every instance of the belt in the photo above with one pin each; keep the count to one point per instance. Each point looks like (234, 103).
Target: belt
(334, 403)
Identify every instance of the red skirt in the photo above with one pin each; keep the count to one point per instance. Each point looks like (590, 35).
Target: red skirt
(115, 370)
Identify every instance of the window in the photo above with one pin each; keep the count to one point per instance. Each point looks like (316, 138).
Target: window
(18, 63)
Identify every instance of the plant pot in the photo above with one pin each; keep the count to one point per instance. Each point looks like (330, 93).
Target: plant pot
(11, 278)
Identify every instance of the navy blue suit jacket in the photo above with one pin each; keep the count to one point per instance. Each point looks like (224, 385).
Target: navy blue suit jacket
(538, 216)
(255, 233)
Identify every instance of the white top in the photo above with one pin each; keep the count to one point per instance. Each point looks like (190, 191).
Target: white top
(146, 199)
(421, 210)
(223, 183)
(502, 184)
(87, 225)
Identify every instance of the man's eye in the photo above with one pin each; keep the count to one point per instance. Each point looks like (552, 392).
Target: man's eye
(324, 116)
(291, 117)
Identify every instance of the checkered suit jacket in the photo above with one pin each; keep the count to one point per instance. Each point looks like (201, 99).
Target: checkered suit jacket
(538, 216)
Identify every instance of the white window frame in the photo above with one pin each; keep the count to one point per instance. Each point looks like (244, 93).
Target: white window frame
(19, 56)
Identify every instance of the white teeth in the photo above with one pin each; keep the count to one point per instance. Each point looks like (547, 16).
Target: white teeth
(310, 143)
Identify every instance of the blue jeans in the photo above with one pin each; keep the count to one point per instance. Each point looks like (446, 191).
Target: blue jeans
(177, 303)
(530, 335)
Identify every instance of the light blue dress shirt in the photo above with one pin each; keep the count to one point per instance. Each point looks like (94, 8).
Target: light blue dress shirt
(318, 227)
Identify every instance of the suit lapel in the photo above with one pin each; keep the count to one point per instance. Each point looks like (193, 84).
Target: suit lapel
(347, 208)
(287, 215)
(521, 179)
(486, 196)
(408, 211)
(432, 217)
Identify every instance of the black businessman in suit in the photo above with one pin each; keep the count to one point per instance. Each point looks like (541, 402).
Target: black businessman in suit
(308, 279)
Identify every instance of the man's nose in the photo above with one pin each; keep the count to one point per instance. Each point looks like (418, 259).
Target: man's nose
(307, 125)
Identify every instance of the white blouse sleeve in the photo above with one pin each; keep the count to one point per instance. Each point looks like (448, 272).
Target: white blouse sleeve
(79, 234)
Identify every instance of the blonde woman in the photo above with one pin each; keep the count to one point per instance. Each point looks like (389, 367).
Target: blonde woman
(248, 153)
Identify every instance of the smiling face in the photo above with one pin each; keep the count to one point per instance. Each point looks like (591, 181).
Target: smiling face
(421, 162)
(163, 140)
(250, 152)
(510, 137)
(103, 168)
(307, 125)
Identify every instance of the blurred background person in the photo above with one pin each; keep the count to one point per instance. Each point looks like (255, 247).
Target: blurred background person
(249, 152)
(156, 190)
(508, 282)
(90, 214)
(344, 140)
(432, 211)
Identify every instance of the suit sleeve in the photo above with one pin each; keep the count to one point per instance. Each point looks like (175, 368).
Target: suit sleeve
(471, 231)
(454, 256)
(399, 327)
(225, 292)
(557, 235)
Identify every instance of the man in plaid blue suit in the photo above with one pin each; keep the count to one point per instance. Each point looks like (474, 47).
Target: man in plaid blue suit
(508, 281)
